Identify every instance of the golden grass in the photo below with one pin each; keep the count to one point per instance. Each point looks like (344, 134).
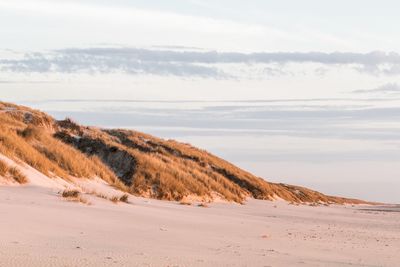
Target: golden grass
(16, 147)
(171, 174)
(175, 178)
(68, 158)
(36, 146)
(172, 170)
(3, 168)
(160, 171)
(13, 172)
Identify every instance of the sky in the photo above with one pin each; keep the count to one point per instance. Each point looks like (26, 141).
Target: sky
(302, 92)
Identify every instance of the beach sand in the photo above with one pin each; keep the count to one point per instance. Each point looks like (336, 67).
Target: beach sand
(39, 228)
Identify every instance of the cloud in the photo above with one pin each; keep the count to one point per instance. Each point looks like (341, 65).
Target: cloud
(389, 88)
(130, 61)
(188, 62)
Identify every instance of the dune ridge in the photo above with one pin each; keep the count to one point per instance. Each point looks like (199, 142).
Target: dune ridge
(134, 162)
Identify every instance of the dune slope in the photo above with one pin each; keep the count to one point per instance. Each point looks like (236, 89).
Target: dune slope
(134, 162)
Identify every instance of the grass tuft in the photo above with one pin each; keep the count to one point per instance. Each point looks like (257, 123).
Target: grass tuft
(18, 176)
(12, 172)
(124, 198)
(74, 195)
(3, 168)
(70, 193)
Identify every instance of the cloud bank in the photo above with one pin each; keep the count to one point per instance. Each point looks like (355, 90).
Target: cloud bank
(190, 63)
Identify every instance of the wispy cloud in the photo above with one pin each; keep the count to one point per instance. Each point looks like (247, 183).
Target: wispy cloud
(187, 62)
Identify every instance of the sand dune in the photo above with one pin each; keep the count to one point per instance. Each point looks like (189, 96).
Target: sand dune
(39, 228)
(69, 209)
(135, 162)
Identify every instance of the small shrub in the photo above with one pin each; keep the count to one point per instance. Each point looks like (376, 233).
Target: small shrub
(203, 205)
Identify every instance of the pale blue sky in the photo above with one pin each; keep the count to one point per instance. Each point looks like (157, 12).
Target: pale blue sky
(304, 92)
(356, 26)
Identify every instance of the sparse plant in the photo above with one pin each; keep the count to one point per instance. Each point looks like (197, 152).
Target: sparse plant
(124, 198)
(74, 195)
(100, 195)
(114, 199)
(70, 193)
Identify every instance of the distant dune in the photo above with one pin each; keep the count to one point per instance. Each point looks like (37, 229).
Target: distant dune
(36, 148)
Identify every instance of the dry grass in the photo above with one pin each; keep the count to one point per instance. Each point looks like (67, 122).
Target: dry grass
(75, 196)
(170, 170)
(70, 193)
(12, 172)
(34, 144)
(3, 168)
(100, 195)
(177, 178)
(115, 199)
(168, 173)
(18, 176)
(159, 171)
(68, 158)
(124, 198)
(16, 147)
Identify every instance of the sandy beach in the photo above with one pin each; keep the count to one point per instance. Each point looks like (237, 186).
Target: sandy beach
(39, 228)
